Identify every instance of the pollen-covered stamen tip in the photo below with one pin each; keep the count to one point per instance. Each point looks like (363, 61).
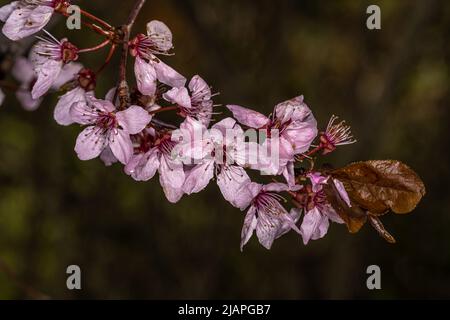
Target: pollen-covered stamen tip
(335, 135)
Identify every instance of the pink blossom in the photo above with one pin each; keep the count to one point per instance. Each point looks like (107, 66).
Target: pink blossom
(319, 212)
(221, 152)
(335, 135)
(50, 59)
(297, 129)
(195, 102)
(107, 127)
(26, 17)
(24, 73)
(80, 93)
(148, 68)
(266, 215)
(154, 152)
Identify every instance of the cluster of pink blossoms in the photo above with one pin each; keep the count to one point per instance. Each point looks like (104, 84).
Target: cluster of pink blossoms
(133, 136)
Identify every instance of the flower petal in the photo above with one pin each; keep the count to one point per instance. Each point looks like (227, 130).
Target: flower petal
(134, 119)
(108, 157)
(248, 117)
(26, 100)
(121, 145)
(90, 143)
(249, 226)
(68, 73)
(25, 21)
(160, 35)
(47, 74)
(6, 10)
(172, 172)
(179, 96)
(172, 194)
(167, 75)
(342, 192)
(231, 181)
(65, 102)
(267, 229)
(142, 167)
(23, 71)
(199, 177)
(145, 77)
(314, 225)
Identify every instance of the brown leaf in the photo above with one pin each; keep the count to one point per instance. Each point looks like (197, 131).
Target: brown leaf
(380, 186)
(353, 216)
(378, 225)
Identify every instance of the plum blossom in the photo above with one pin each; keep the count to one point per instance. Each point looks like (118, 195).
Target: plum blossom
(23, 72)
(335, 135)
(107, 127)
(319, 211)
(195, 102)
(221, 152)
(154, 152)
(83, 90)
(266, 215)
(148, 68)
(49, 57)
(296, 127)
(26, 17)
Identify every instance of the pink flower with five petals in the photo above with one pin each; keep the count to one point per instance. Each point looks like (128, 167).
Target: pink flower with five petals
(107, 127)
(319, 211)
(296, 126)
(148, 68)
(266, 215)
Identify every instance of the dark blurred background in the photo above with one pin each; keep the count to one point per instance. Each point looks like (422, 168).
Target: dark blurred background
(391, 85)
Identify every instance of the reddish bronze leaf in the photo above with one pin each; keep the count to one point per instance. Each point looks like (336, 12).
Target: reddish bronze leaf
(353, 216)
(378, 225)
(380, 186)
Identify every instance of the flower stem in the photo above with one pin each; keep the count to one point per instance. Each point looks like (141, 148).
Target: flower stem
(96, 19)
(108, 58)
(123, 89)
(98, 47)
(164, 110)
(309, 153)
(97, 29)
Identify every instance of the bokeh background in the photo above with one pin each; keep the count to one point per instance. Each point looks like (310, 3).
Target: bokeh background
(391, 85)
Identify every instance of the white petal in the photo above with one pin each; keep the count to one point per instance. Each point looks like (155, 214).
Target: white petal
(90, 143)
(121, 146)
(26, 21)
(134, 119)
(65, 102)
(249, 226)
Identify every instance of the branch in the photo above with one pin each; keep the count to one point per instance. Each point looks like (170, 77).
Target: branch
(124, 92)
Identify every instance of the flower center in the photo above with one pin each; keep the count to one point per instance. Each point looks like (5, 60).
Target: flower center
(69, 52)
(107, 121)
(269, 202)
